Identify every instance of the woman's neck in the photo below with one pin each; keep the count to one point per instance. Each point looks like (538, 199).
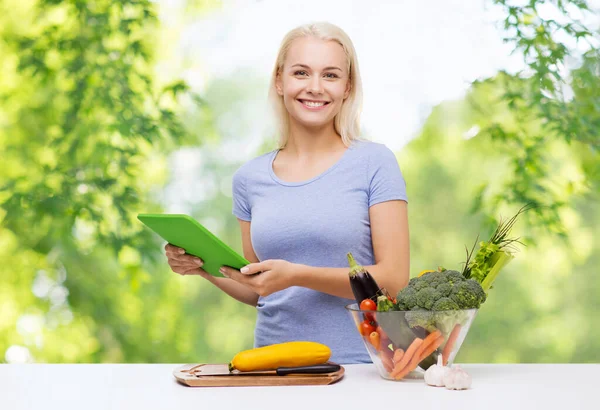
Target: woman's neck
(307, 142)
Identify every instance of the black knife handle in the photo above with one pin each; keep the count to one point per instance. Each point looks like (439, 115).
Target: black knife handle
(316, 369)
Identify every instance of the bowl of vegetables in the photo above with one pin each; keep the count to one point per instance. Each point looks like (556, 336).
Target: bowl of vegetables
(403, 344)
(428, 320)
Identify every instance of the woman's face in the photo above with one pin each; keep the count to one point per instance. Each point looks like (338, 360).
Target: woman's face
(314, 81)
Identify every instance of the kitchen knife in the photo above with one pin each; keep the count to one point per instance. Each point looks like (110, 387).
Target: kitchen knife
(223, 370)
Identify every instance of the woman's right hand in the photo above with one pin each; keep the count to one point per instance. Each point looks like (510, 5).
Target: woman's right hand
(182, 263)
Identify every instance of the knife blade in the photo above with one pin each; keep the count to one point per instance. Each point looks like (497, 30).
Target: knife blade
(223, 370)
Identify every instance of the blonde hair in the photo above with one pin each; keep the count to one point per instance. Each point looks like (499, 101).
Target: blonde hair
(347, 121)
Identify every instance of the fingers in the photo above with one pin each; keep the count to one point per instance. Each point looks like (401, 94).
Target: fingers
(257, 283)
(244, 274)
(177, 257)
(174, 249)
(228, 272)
(182, 263)
(188, 271)
(233, 274)
(188, 260)
(185, 264)
(254, 268)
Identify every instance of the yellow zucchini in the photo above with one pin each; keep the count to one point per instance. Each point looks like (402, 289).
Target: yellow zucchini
(286, 354)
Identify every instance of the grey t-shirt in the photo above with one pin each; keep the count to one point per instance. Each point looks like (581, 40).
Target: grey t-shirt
(315, 222)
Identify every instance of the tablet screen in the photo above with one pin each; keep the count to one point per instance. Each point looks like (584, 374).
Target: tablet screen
(187, 233)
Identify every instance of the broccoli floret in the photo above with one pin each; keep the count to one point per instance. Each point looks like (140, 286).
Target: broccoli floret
(445, 289)
(384, 304)
(477, 289)
(422, 284)
(426, 297)
(453, 276)
(436, 278)
(468, 294)
(406, 298)
(425, 291)
(445, 304)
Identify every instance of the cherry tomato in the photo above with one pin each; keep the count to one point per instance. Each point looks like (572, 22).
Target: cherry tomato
(366, 328)
(368, 304)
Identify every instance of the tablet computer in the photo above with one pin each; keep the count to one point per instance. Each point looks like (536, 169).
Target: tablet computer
(187, 233)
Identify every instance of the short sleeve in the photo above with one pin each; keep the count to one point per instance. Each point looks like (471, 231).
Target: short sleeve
(241, 205)
(386, 182)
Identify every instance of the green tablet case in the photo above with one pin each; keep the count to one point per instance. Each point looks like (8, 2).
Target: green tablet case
(187, 233)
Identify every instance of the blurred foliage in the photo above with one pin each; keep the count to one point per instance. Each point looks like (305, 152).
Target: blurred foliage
(91, 135)
(556, 98)
(85, 133)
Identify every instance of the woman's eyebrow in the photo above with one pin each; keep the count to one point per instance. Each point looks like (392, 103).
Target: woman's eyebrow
(325, 69)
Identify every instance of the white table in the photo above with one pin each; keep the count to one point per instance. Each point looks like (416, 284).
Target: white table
(152, 386)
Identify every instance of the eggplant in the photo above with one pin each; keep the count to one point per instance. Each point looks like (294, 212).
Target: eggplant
(362, 283)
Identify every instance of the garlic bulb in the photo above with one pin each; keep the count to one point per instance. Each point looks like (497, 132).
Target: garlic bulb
(457, 379)
(434, 376)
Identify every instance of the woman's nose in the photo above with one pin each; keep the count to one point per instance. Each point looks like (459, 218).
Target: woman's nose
(315, 86)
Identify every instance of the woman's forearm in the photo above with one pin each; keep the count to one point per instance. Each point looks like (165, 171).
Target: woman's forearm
(335, 281)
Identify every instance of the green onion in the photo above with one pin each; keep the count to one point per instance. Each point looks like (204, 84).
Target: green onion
(494, 254)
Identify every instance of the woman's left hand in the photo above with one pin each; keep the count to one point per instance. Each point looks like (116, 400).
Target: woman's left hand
(265, 277)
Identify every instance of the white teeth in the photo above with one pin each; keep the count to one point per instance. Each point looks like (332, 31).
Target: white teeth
(313, 104)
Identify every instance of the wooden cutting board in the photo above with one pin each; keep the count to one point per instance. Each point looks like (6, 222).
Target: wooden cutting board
(184, 376)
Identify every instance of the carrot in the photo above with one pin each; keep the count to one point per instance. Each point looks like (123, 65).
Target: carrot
(416, 357)
(398, 353)
(375, 340)
(431, 337)
(450, 343)
(407, 356)
(437, 343)
(407, 369)
(419, 358)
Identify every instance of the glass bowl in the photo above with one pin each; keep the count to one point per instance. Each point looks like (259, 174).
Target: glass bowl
(403, 344)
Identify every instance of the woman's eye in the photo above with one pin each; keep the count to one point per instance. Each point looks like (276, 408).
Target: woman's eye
(300, 72)
(331, 75)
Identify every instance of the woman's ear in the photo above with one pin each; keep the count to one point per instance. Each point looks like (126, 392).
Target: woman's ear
(279, 84)
(348, 89)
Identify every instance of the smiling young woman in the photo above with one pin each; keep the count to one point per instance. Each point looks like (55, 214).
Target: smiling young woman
(321, 57)
(323, 193)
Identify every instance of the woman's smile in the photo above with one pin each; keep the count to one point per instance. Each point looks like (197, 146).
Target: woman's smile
(313, 105)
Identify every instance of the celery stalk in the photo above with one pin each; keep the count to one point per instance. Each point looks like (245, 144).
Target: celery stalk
(498, 261)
